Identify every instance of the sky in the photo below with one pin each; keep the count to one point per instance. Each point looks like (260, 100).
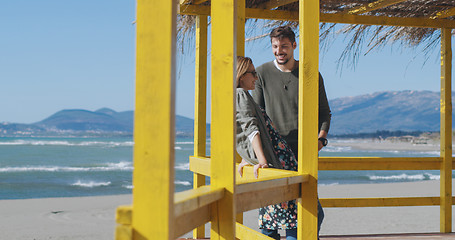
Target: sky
(57, 55)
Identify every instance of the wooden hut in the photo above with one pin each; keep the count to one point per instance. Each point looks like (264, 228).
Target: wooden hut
(159, 213)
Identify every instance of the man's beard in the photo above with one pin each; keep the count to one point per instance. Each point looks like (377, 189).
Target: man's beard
(282, 63)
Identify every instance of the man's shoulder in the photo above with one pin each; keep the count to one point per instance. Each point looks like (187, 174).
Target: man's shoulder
(266, 66)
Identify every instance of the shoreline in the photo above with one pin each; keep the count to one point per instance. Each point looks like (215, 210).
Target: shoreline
(74, 217)
(381, 145)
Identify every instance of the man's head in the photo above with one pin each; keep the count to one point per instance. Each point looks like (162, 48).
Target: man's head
(283, 44)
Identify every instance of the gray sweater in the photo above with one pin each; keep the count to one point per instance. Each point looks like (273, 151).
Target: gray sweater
(277, 92)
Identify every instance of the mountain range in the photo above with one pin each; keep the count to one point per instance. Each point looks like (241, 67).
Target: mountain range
(390, 110)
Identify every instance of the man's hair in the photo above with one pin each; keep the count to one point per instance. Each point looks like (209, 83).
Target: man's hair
(283, 32)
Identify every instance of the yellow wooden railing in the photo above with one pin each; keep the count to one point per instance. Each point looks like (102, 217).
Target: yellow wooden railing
(159, 213)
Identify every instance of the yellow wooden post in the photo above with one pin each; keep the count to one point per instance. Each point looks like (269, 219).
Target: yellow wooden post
(308, 116)
(154, 125)
(446, 131)
(240, 52)
(223, 116)
(200, 104)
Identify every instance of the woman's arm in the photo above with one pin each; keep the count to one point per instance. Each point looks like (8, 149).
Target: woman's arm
(257, 147)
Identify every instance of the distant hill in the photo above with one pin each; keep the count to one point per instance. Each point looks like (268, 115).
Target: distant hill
(391, 110)
(408, 111)
(103, 121)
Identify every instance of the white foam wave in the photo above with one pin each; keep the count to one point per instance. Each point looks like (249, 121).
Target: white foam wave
(184, 183)
(404, 176)
(183, 166)
(128, 186)
(68, 143)
(184, 142)
(90, 184)
(121, 166)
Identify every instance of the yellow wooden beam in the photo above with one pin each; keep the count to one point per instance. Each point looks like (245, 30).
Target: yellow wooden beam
(154, 120)
(446, 131)
(224, 28)
(244, 232)
(271, 4)
(200, 165)
(193, 199)
(265, 183)
(444, 14)
(372, 6)
(379, 163)
(240, 29)
(123, 218)
(200, 105)
(254, 199)
(379, 202)
(331, 17)
(307, 207)
(184, 1)
(189, 220)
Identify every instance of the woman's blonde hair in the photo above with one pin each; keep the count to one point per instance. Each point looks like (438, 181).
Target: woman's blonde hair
(243, 63)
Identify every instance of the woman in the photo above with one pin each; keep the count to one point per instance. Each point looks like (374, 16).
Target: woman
(259, 144)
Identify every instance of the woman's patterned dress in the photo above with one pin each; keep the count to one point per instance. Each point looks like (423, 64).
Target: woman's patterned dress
(282, 215)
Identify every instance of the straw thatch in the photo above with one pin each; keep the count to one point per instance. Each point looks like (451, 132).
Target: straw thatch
(372, 36)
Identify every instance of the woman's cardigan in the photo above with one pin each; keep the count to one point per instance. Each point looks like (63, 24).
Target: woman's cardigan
(249, 118)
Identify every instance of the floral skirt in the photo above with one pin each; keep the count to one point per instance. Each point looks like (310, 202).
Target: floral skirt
(282, 215)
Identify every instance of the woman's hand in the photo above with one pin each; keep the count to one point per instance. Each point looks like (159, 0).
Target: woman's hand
(240, 167)
(256, 168)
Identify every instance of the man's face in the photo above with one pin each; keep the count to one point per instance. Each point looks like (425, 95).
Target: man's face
(283, 49)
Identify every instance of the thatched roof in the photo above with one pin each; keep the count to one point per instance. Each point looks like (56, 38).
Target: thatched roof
(435, 14)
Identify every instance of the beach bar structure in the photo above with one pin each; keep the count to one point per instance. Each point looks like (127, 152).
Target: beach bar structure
(159, 213)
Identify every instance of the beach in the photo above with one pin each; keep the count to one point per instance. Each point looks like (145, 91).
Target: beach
(94, 217)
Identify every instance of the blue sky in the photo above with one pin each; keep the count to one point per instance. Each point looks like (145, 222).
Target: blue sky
(58, 55)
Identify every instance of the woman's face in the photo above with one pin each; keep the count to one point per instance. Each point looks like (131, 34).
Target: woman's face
(248, 79)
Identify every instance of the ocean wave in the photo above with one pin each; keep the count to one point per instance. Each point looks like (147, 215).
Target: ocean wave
(184, 183)
(68, 143)
(183, 166)
(128, 186)
(404, 176)
(121, 166)
(90, 184)
(189, 142)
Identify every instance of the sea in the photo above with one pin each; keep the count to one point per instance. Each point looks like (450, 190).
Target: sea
(43, 167)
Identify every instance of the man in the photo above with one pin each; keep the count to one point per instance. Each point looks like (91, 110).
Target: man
(277, 91)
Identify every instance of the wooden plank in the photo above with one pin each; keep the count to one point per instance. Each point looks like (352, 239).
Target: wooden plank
(446, 131)
(254, 199)
(271, 182)
(193, 199)
(372, 6)
(200, 95)
(200, 105)
(124, 215)
(445, 14)
(224, 28)
(308, 117)
(244, 232)
(240, 33)
(189, 220)
(331, 17)
(200, 165)
(379, 163)
(123, 232)
(275, 3)
(154, 120)
(379, 202)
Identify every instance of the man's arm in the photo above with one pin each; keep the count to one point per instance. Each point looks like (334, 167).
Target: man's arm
(324, 113)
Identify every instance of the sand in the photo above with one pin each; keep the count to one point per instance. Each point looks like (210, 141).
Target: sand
(94, 217)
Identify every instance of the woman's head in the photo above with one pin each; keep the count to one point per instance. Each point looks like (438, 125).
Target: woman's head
(246, 74)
